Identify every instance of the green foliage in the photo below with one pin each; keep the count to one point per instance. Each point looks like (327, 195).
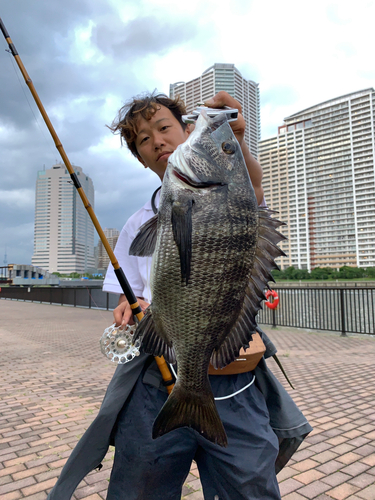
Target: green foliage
(291, 273)
(370, 272)
(324, 273)
(351, 272)
(277, 275)
(303, 274)
(74, 275)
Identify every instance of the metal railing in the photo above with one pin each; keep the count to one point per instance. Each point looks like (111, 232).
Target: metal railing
(345, 310)
(91, 297)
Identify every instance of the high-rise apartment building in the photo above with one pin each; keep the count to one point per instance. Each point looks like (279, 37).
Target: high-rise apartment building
(64, 233)
(112, 235)
(319, 174)
(225, 77)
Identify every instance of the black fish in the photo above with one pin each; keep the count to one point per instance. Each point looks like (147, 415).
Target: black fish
(213, 250)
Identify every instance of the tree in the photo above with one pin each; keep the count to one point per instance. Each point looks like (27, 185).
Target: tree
(370, 271)
(347, 272)
(291, 273)
(74, 275)
(277, 275)
(302, 274)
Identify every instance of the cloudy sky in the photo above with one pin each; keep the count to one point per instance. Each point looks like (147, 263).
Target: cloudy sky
(86, 58)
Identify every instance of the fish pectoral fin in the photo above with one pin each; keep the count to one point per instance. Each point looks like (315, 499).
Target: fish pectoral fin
(144, 243)
(239, 336)
(196, 410)
(151, 341)
(182, 230)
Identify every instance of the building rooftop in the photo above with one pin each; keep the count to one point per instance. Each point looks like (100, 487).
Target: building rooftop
(330, 102)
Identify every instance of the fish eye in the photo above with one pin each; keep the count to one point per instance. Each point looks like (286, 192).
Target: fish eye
(228, 147)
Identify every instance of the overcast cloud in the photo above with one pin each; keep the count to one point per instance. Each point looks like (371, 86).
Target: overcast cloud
(87, 58)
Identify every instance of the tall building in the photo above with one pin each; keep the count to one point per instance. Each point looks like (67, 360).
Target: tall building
(225, 77)
(319, 174)
(64, 233)
(102, 256)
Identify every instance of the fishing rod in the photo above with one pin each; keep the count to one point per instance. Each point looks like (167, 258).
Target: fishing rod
(126, 288)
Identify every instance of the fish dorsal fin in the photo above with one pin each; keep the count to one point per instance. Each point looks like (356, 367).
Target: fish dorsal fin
(153, 342)
(182, 229)
(144, 243)
(265, 253)
(268, 237)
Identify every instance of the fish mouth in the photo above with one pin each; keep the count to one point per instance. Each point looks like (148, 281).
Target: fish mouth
(196, 184)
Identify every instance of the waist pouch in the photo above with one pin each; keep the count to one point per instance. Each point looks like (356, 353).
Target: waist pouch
(246, 361)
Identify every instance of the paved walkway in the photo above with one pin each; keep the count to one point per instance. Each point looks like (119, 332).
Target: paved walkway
(53, 378)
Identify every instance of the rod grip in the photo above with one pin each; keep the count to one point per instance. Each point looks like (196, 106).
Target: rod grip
(129, 294)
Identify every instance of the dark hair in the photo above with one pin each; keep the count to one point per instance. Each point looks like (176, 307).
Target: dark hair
(145, 105)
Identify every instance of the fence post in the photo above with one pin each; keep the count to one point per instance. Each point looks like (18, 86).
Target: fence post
(273, 318)
(343, 328)
(89, 298)
(107, 301)
(75, 297)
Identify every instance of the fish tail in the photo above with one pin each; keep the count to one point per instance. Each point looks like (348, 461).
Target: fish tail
(189, 409)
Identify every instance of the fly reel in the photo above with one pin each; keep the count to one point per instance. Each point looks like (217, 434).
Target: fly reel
(117, 344)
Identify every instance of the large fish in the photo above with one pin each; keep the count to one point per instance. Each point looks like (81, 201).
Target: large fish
(213, 250)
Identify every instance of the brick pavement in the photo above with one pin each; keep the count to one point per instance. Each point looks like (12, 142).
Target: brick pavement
(53, 378)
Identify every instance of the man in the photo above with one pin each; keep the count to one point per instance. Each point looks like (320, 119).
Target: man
(147, 469)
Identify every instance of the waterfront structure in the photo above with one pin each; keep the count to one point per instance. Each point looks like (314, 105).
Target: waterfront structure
(24, 274)
(112, 236)
(319, 175)
(64, 233)
(224, 77)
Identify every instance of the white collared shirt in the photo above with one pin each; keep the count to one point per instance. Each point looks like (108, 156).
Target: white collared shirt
(137, 269)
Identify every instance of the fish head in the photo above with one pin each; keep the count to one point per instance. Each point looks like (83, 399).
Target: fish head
(210, 157)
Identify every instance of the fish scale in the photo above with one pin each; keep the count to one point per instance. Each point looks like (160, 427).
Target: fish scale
(205, 291)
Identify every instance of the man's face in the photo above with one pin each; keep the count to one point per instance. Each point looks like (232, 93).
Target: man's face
(158, 138)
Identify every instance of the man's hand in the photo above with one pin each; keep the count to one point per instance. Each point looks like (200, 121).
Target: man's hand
(220, 100)
(123, 313)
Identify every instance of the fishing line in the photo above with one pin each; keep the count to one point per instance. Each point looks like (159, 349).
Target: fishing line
(24, 93)
(100, 309)
(173, 371)
(221, 397)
